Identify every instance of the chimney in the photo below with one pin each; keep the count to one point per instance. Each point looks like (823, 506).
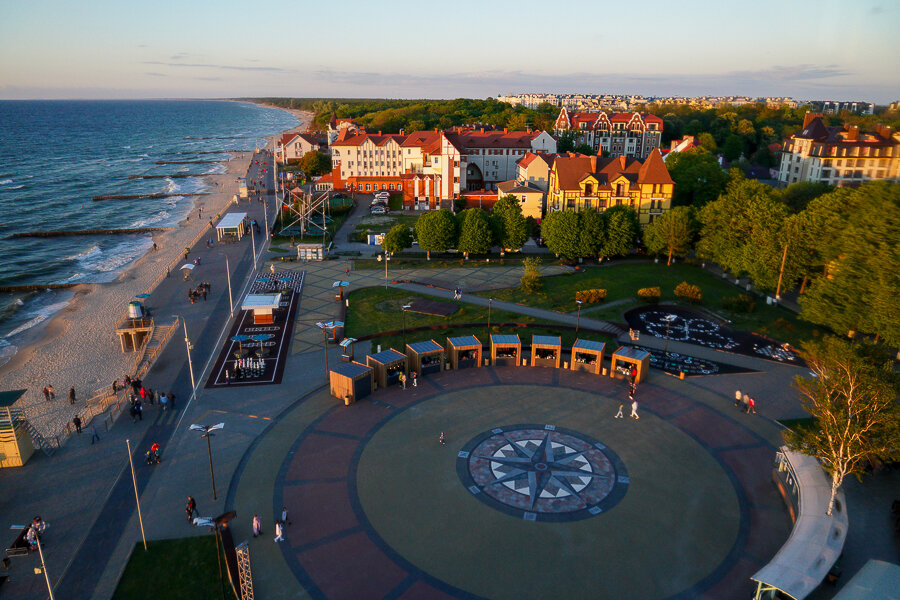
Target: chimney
(852, 133)
(482, 130)
(505, 130)
(379, 133)
(593, 164)
(808, 118)
(401, 132)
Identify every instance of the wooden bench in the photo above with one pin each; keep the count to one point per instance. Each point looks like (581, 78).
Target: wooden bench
(20, 546)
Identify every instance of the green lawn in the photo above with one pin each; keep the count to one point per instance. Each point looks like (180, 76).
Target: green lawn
(622, 282)
(180, 569)
(380, 224)
(417, 260)
(376, 309)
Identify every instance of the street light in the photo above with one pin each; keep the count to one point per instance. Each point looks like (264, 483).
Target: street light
(253, 243)
(228, 273)
(387, 257)
(188, 345)
(668, 319)
(41, 553)
(208, 433)
(490, 302)
(578, 317)
(403, 309)
(136, 497)
(325, 327)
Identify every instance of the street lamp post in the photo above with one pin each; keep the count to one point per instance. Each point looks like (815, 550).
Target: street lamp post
(188, 346)
(403, 309)
(325, 327)
(253, 243)
(228, 274)
(41, 554)
(490, 302)
(578, 317)
(136, 497)
(386, 259)
(208, 433)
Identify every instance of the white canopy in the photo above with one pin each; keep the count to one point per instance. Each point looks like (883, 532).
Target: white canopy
(232, 223)
(261, 302)
(188, 266)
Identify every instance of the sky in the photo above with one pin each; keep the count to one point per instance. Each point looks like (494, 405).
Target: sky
(118, 49)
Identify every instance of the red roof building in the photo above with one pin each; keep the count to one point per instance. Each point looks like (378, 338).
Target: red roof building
(628, 134)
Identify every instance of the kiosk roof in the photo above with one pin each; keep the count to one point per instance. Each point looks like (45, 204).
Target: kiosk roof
(589, 345)
(231, 220)
(426, 346)
(505, 339)
(351, 369)
(546, 340)
(388, 356)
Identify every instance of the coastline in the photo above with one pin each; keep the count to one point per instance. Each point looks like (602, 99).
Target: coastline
(78, 346)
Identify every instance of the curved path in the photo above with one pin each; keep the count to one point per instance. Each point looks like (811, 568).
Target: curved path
(381, 509)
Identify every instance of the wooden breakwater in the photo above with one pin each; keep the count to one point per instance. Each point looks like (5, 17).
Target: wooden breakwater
(59, 233)
(141, 196)
(35, 287)
(175, 176)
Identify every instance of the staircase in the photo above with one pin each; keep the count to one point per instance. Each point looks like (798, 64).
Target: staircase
(39, 440)
(153, 346)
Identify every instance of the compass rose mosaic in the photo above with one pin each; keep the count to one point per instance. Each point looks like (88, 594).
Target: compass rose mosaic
(542, 473)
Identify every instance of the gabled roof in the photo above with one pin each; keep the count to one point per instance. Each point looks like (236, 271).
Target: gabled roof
(514, 187)
(814, 130)
(492, 139)
(654, 170)
(358, 139)
(311, 138)
(546, 157)
(572, 170)
(421, 139)
(286, 138)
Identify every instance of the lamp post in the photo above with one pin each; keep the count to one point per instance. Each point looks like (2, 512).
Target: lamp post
(136, 497)
(253, 243)
(228, 274)
(40, 553)
(578, 317)
(387, 257)
(490, 302)
(188, 346)
(403, 309)
(325, 327)
(208, 433)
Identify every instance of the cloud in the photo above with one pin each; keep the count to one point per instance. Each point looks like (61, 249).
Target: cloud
(208, 78)
(791, 73)
(152, 74)
(212, 66)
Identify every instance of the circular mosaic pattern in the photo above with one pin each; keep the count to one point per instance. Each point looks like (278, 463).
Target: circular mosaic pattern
(542, 473)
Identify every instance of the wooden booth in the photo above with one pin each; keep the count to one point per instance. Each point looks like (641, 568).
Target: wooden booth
(16, 446)
(263, 307)
(627, 357)
(425, 357)
(351, 381)
(135, 328)
(464, 352)
(587, 355)
(232, 227)
(388, 364)
(506, 350)
(546, 351)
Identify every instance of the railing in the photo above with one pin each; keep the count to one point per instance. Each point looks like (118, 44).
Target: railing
(162, 344)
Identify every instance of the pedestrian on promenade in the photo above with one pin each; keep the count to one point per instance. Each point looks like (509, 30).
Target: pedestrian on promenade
(51, 392)
(139, 408)
(172, 399)
(278, 532)
(163, 401)
(143, 393)
(751, 405)
(204, 294)
(348, 270)
(46, 393)
(634, 408)
(150, 396)
(619, 414)
(115, 387)
(402, 381)
(190, 508)
(95, 437)
(284, 516)
(737, 398)
(257, 526)
(155, 398)
(441, 438)
(745, 402)
(414, 380)
(154, 246)
(72, 395)
(77, 423)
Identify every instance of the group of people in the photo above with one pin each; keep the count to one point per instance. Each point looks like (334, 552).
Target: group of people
(50, 394)
(744, 402)
(632, 389)
(34, 532)
(404, 378)
(279, 525)
(199, 292)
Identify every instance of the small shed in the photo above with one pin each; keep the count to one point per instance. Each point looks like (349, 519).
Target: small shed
(425, 357)
(627, 357)
(310, 252)
(351, 380)
(16, 446)
(505, 350)
(546, 351)
(388, 364)
(233, 226)
(263, 307)
(464, 352)
(587, 355)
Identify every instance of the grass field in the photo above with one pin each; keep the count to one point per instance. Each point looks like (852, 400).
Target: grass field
(180, 569)
(622, 282)
(376, 309)
(417, 260)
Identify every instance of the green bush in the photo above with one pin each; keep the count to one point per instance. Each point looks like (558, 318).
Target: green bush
(591, 296)
(651, 294)
(742, 303)
(688, 292)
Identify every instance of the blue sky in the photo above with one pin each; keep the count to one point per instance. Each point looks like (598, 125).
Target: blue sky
(822, 49)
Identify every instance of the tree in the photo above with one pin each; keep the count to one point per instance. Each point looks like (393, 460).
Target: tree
(436, 231)
(398, 238)
(566, 142)
(707, 142)
(697, 175)
(511, 228)
(474, 232)
(672, 234)
(531, 278)
(797, 196)
(517, 122)
(584, 149)
(560, 230)
(733, 148)
(852, 399)
(622, 228)
(591, 232)
(315, 163)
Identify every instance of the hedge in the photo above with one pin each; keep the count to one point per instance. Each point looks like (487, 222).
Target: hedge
(591, 296)
(649, 294)
(689, 292)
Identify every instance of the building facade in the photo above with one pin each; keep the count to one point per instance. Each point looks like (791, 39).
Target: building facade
(840, 156)
(578, 182)
(293, 146)
(633, 135)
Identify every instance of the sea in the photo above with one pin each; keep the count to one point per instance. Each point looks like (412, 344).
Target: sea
(55, 156)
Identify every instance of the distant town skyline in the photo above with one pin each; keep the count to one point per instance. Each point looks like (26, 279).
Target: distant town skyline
(806, 49)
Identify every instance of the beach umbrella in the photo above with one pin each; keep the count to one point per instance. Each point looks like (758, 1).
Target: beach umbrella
(340, 284)
(188, 266)
(240, 339)
(285, 279)
(262, 279)
(143, 296)
(261, 337)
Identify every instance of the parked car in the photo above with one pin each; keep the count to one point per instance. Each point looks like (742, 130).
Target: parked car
(379, 202)
(379, 210)
(384, 195)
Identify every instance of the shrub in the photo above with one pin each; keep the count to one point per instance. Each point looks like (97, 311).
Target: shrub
(742, 303)
(591, 296)
(649, 294)
(688, 292)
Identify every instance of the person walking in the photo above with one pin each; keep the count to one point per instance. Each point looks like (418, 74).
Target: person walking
(190, 508)
(77, 423)
(737, 398)
(163, 401)
(278, 532)
(95, 437)
(51, 392)
(72, 395)
(285, 519)
(621, 407)
(414, 380)
(402, 381)
(46, 393)
(441, 438)
(634, 408)
(751, 405)
(257, 526)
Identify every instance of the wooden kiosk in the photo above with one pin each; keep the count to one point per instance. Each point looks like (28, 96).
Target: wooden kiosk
(587, 355)
(546, 351)
(506, 350)
(627, 357)
(16, 446)
(263, 307)
(464, 352)
(387, 364)
(351, 380)
(425, 357)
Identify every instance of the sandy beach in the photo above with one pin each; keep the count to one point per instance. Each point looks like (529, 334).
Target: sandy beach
(78, 346)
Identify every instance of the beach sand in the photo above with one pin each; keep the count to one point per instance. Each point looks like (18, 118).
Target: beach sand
(78, 346)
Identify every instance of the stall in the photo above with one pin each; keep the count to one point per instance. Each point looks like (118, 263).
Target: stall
(15, 441)
(425, 357)
(232, 227)
(505, 350)
(310, 252)
(388, 365)
(263, 307)
(546, 351)
(587, 355)
(351, 381)
(628, 357)
(464, 352)
(346, 345)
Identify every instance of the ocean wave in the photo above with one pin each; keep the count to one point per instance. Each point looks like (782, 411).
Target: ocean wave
(150, 220)
(5, 181)
(92, 250)
(7, 351)
(15, 187)
(41, 315)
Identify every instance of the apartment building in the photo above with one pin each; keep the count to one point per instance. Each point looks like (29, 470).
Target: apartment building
(292, 146)
(839, 156)
(578, 182)
(634, 135)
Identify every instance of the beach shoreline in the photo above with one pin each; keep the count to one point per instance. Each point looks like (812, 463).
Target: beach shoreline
(78, 346)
